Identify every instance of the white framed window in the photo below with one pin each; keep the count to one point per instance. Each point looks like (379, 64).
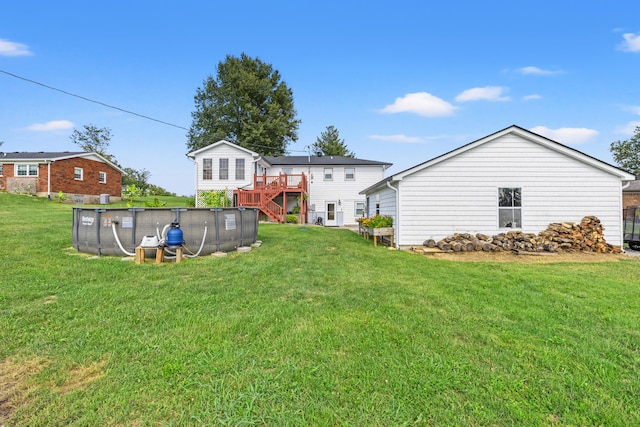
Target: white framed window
(207, 169)
(224, 169)
(27, 170)
(102, 177)
(510, 207)
(359, 208)
(0, 169)
(287, 171)
(239, 169)
(78, 174)
(328, 174)
(349, 174)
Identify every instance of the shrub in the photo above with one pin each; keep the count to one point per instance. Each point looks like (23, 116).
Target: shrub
(216, 199)
(292, 219)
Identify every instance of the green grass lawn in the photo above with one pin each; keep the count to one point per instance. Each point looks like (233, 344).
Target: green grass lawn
(315, 327)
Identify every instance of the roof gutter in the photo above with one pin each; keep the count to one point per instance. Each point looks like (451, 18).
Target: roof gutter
(397, 228)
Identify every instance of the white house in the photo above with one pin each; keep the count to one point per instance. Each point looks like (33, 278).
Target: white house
(326, 187)
(513, 179)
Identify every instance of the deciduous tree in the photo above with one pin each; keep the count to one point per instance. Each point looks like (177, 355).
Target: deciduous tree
(627, 153)
(94, 139)
(247, 103)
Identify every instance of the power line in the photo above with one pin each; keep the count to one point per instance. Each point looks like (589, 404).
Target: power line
(92, 100)
(84, 98)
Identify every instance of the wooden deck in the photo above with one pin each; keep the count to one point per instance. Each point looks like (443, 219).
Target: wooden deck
(269, 194)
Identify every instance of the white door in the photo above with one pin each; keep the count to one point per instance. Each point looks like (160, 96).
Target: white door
(330, 219)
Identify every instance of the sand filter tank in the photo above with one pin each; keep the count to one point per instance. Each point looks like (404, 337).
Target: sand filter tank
(174, 235)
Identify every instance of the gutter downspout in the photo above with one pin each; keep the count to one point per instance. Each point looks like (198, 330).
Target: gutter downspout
(397, 232)
(49, 180)
(624, 186)
(195, 177)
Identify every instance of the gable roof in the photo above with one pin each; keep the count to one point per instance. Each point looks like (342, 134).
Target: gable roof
(517, 130)
(52, 156)
(321, 161)
(219, 143)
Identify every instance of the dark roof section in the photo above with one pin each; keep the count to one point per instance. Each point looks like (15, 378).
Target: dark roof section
(41, 155)
(633, 187)
(321, 160)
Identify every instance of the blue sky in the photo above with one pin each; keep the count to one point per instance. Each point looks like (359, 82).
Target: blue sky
(403, 82)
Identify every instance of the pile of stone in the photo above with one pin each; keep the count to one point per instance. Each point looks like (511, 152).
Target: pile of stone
(587, 236)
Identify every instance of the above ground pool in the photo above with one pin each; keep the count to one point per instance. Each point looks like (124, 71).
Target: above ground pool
(203, 231)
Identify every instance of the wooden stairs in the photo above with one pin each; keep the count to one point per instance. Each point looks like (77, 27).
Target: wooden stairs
(267, 189)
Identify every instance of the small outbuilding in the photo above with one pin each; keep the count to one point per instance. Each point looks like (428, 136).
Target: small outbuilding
(511, 180)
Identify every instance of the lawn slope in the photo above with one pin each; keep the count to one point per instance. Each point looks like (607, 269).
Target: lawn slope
(315, 327)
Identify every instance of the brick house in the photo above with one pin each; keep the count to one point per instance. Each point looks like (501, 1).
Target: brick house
(631, 194)
(79, 175)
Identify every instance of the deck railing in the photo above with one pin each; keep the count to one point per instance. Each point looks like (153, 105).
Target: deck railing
(267, 187)
(281, 181)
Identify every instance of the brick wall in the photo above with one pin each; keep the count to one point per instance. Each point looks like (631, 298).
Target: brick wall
(63, 171)
(7, 171)
(630, 199)
(62, 178)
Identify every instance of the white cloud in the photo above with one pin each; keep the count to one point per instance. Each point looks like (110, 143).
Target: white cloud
(631, 42)
(487, 93)
(635, 109)
(402, 139)
(537, 71)
(569, 136)
(532, 97)
(421, 103)
(51, 126)
(629, 129)
(9, 48)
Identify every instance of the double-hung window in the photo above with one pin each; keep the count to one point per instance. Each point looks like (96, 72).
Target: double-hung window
(224, 169)
(328, 174)
(510, 207)
(349, 174)
(359, 209)
(207, 169)
(239, 169)
(27, 170)
(0, 169)
(102, 177)
(78, 174)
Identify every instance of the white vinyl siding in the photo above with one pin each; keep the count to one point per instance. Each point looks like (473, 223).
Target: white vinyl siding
(460, 193)
(214, 154)
(343, 192)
